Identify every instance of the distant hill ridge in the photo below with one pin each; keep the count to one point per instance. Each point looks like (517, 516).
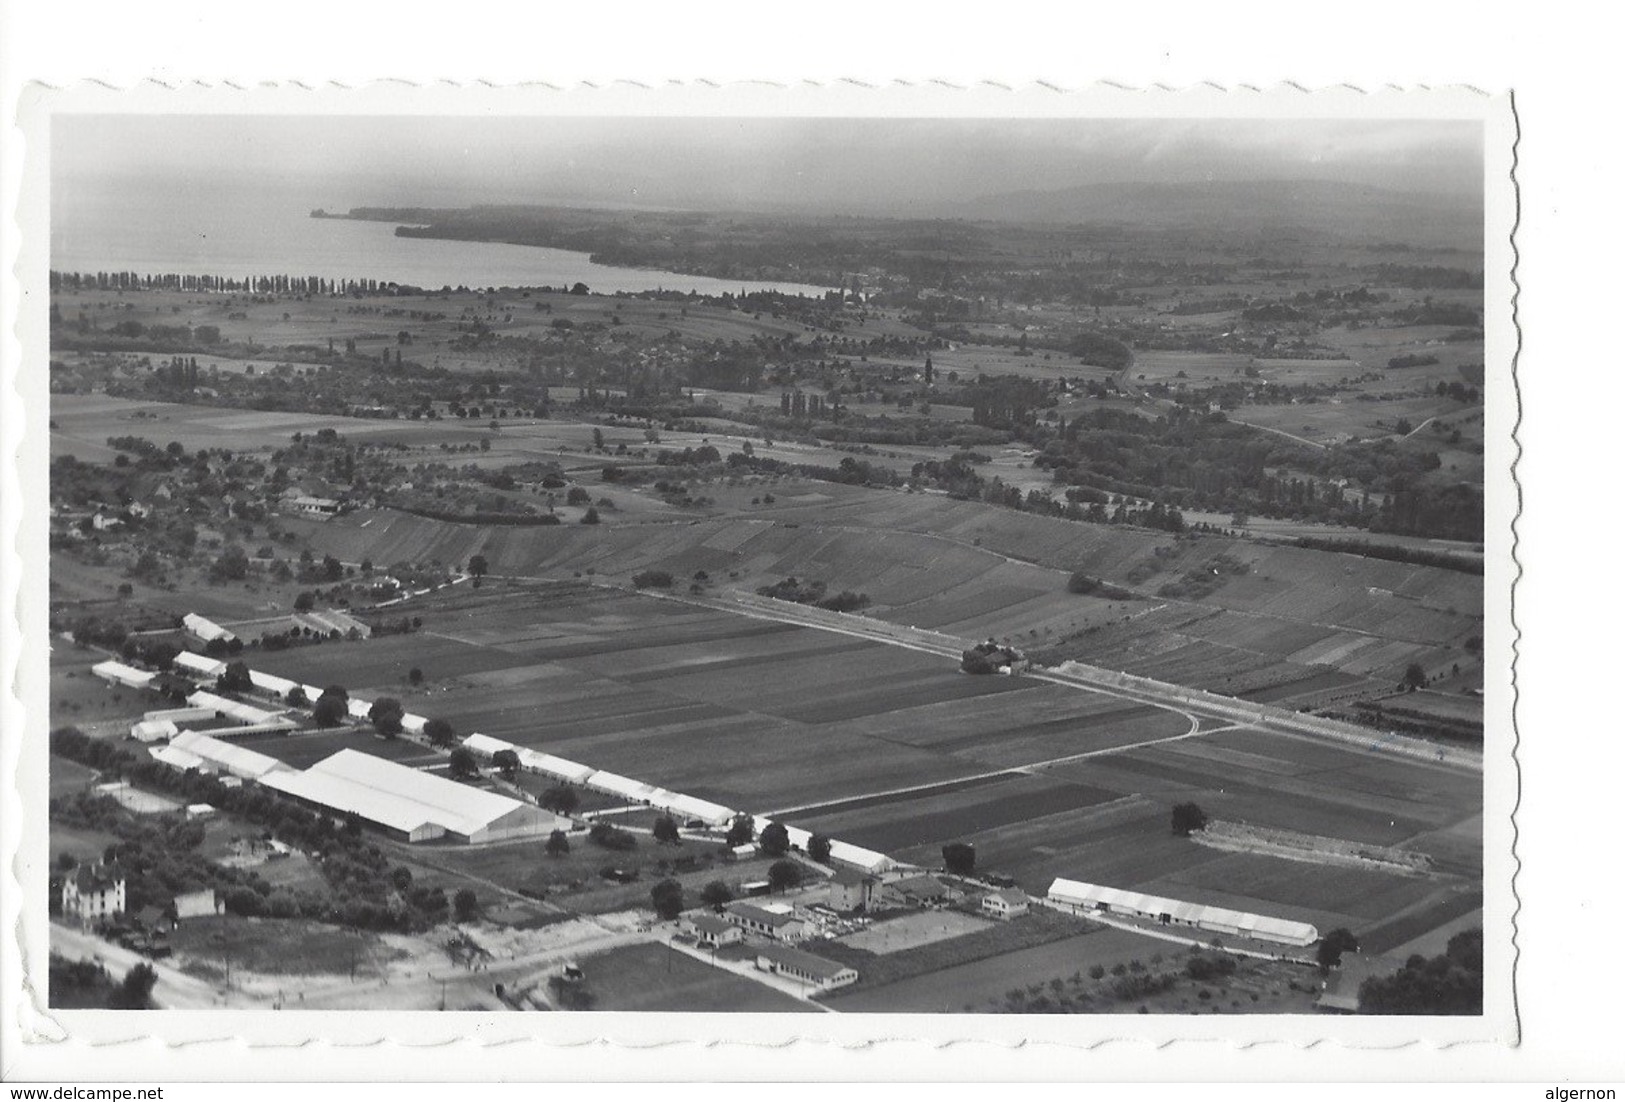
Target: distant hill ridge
(1362, 213)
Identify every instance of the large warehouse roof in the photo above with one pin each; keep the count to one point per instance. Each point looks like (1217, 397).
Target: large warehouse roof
(459, 808)
(1080, 894)
(338, 794)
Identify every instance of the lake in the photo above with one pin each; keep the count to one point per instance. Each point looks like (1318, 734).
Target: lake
(197, 230)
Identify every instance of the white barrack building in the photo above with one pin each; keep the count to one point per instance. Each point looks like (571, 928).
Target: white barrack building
(1080, 898)
(205, 629)
(120, 674)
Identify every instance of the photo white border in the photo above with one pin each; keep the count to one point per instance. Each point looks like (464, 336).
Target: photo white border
(223, 1032)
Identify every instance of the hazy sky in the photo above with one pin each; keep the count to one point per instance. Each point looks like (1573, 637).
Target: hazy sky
(923, 167)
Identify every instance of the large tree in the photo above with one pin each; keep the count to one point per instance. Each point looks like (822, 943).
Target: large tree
(1188, 819)
(561, 799)
(465, 905)
(959, 858)
(135, 993)
(234, 678)
(386, 713)
(667, 897)
(331, 707)
(507, 761)
(818, 848)
(665, 830)
(1451, 983)
(783, 874)
(463, 764)
(775, 840)
(1329, 953)
(439, 732)
(741, 830)
(716, 894)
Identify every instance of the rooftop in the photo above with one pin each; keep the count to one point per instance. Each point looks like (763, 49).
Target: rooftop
(764, 915)
(802, 961)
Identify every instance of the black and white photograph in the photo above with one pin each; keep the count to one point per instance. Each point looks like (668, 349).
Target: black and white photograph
(774, 565)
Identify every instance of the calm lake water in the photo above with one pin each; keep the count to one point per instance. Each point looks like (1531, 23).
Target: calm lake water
(190, 230)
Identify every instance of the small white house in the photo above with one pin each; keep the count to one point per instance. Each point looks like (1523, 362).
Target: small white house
(711, 930)
(1006, 903)
(316, 506)
(199, 811)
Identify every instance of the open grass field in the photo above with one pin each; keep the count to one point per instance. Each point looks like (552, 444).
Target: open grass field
(83, 843)
(1337, 419)
(655, 977)
(275, 947)
(1196, 369)
(68, 777)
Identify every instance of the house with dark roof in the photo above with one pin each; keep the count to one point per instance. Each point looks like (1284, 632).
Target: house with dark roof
(775, 920)
(93, 893)
(710, 930)
(918, 890)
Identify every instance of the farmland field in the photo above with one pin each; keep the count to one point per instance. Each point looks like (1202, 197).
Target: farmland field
(898, 751)
(975, 573)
